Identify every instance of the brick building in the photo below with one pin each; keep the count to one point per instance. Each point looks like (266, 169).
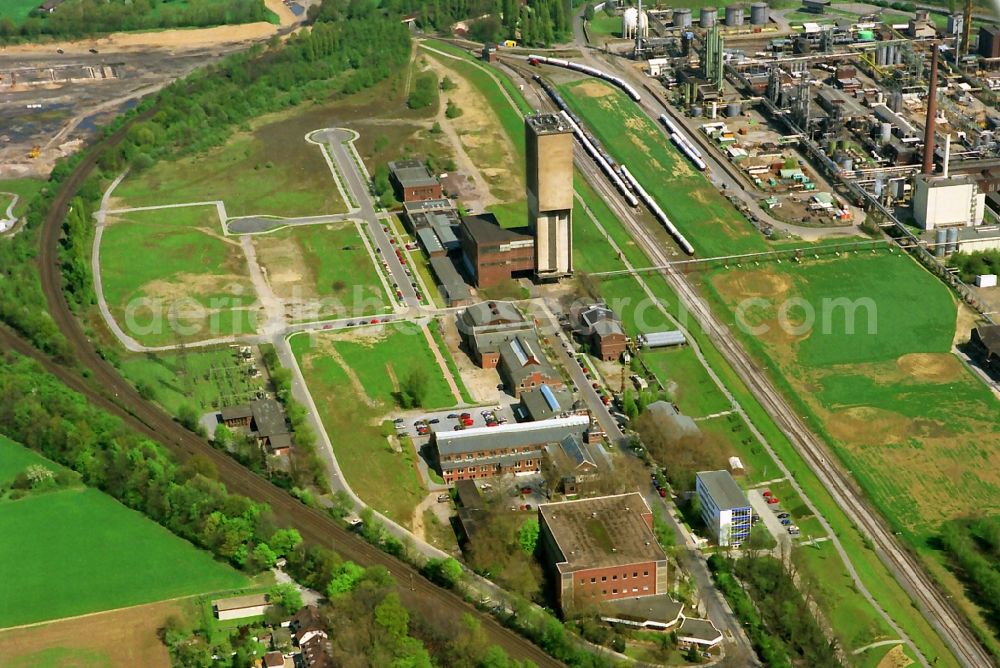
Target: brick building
(523, 365)
(413, 182)
(488, 452)
(493, 254)
(265, 420)
(602, 549)
(603, 332)
(487, 325)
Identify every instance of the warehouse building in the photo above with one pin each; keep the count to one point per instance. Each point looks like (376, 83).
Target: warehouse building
(544, 403)
(724, 507)
(413, 182)
(493, 254)
(484, 327)
(602, 549)
(523, 365)
(451, 285)
(488, 452)
(947, 201)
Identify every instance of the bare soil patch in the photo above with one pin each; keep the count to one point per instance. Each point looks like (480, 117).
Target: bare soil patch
(895, 658)
(859, 422)
(184, 285)
(935, 367)
(287, 271)
(964, 322)
(592, 89)
(126, 637)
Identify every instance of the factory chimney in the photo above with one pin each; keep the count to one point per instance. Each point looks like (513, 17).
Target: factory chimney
(931, 114)
(947, 154)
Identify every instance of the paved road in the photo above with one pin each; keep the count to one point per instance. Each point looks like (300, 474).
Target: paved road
(9, 220)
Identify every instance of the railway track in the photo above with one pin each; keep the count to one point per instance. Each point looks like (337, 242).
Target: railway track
(939, 612)
(106, 389)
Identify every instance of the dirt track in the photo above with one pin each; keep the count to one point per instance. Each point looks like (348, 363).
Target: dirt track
(106, 389)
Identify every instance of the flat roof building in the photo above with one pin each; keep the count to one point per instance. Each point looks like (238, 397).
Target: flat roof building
(545, 402)
(657, 613)
(413, 181)
(602, 549)
(240, 607)
(493, 254)
(724, 507)
(452, 286)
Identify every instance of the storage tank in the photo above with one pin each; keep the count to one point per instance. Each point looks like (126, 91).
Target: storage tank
(847, 163)
(734, 109)
(697, 111)
(758, 13)
(630, 21)
(706, 18)
(952, 239)
(682, 17)
(644, 24)
(734, 16)
(940, 237)
(885, 133)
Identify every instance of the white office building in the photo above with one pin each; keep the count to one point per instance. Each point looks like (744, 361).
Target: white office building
(724, 507)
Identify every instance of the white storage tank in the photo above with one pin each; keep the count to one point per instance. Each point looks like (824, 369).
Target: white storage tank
(630, 22)
(758, 13)
(952, 239)
(940, 241)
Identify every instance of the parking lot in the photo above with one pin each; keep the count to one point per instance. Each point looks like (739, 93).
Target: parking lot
(448, 420)
(769, 514)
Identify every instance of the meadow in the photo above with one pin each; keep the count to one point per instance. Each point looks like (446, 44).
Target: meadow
(702, 214)
(15, 458)
(78, 551)
(270, 170)
(26, 188)
(327, 262)
(385, 479)
(914, 426)
(198, 274)
(205, 379)
(17, 10)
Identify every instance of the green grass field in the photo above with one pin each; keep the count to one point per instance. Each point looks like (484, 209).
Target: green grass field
(696, 393)
(695, 206)
(605, 26)
(328, 264)
(855, 622)
(76, 551)
(272, 170)
(197, 276)
(26, 188)
(383, 478)
(17, 10)
(14, 458)
(206, 379)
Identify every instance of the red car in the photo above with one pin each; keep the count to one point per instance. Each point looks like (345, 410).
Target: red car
(663, 492)
(767, 492)
(772, 499)
(374, 321)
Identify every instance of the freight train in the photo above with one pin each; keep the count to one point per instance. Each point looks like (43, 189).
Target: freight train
(656, 210)
(683, 143)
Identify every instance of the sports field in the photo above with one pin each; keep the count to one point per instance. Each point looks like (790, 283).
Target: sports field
(322, 263)
(385, 477)
(176, 274)
(75, 551)
(915, 427)
(696, 207)
(205, 379)
(271, 170)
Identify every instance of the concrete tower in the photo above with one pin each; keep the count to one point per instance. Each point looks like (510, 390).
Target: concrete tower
(549, 142)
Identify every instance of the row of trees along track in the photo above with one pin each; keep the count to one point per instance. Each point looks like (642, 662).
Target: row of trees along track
(105, 388)
(943, 615)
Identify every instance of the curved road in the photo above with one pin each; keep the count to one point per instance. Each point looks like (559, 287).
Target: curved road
(109, 391)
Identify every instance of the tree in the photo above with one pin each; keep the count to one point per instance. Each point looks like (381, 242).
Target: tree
(452, 110)
(223, 437)
(447, 84)
(344, 579)
(264, 556)
(487, 29)
(527, 536)
(286, 597)
(588, 13)
(189, 417)
(413, 388)
(284, 541)
(446, 572)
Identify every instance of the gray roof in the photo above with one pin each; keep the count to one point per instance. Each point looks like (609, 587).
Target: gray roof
(509, 435)
(723, 489)
(658, 608)
(595, 314)
(667, 415)
(522, 355)
(485, 314)
(412, 173)
(236, 412)
(484, 229)
(468, 494)
(699, 629)
(455, 287)
(539, 402)
(428, 205)
(268, 417)
(608, 328)
(429, 240)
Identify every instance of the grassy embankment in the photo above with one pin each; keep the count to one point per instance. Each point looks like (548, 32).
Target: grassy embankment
(77, 550)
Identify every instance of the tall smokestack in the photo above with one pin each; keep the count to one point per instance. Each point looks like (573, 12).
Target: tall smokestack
(931, 114)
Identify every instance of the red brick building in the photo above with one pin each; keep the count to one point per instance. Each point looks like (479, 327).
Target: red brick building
(493, 254)
(486, 326)
(602, 330)
(602, 549)
(413, 182)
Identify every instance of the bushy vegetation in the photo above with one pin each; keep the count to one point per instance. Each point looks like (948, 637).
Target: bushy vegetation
(780, 632)
(970, 265)
(78, 18)
(973, 545)
(425, 91)
(535, 23)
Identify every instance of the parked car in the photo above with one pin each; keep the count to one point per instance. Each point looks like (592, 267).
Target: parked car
(526, 490)
(434, 421)
(767, 493)
(772, 499)
(786, 522)
(782, 516)
(663, 492)
(443, 498)
(374, 321)
(794, 531)
(452, 416)
(399, 420)
(465, 415)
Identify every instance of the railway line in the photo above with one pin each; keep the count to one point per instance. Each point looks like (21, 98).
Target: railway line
(106, 389)
(941, 614)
